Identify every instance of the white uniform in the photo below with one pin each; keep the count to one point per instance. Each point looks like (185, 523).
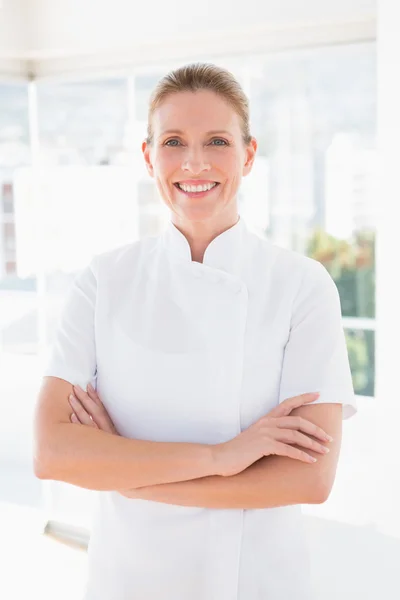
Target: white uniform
(190, 352)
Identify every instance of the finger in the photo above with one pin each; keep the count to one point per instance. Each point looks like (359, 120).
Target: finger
(295, 437)
(107, 424)
(285, 408)
(74, 418)
(291, 452)
(303, 425)
(88, 403)
(82, 415)
(96, 410)
(93, 394)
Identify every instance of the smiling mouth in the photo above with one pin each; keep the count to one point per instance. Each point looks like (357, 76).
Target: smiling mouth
(194, 190)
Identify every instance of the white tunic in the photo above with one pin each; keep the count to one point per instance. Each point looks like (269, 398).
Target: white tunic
(191, 352)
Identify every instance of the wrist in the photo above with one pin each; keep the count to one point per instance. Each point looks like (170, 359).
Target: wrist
(132, 493)
(215, 458)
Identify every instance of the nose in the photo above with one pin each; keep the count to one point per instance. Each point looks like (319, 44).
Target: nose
(195, 161)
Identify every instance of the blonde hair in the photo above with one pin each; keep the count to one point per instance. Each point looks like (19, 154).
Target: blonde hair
(202, 76)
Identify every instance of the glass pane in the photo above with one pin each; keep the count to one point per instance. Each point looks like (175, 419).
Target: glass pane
(352, 265)
(101, 123)
(361, 350)
(64, 210)
(84, 145)
(313, 185)
(18, 314)
(14, 153)
(83, 123)
(144, 85)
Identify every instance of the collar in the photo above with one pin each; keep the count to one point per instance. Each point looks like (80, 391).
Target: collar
(226, 252)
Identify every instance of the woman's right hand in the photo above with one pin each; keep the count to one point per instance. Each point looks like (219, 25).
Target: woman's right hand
(272, 434)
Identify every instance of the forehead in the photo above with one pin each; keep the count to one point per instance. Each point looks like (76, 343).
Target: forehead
(203, 110)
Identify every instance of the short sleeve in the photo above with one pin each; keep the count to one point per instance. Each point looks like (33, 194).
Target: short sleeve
(72, 354)
(315, 357)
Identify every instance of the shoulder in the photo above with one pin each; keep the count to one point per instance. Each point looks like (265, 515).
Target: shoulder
(123, 259)
(303, 286)
(312, 288)
(293, 269)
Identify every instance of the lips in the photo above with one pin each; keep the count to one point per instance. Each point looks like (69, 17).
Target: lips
(196, 182)
(191, 192)
(192, 186)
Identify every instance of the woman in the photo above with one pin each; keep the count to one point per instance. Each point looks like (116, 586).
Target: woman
(221, 378)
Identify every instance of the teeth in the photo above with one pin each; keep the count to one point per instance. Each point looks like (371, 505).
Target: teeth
(196, 188)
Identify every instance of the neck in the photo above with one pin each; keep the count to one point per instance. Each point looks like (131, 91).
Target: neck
(200, 234)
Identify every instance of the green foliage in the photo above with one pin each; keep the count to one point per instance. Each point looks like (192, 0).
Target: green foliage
(361, 351)
(351, 263)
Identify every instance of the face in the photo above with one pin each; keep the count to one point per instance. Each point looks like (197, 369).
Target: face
(198, 156)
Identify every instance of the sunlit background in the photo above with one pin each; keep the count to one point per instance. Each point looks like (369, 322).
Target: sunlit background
(75, 78)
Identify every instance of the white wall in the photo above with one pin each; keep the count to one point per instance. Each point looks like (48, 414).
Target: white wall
(388, 282)
(72, 26)
(67, 37)
(14, 38)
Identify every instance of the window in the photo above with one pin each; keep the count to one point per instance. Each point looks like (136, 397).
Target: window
(82, 123)
(313, 186)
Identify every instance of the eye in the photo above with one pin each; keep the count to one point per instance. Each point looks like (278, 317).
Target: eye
(173, 145)
(224, 142)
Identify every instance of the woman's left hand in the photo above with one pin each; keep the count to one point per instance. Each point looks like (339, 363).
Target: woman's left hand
(88, 409)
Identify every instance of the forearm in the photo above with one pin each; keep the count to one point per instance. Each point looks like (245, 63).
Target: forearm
(93, 459)
(273, 481)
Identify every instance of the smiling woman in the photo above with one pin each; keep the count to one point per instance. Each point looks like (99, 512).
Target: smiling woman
(189, 162)
(220, 370)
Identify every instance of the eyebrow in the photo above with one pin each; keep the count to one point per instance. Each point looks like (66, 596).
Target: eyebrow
(180, 132)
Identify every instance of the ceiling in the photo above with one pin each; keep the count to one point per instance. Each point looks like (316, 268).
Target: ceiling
(47, 37)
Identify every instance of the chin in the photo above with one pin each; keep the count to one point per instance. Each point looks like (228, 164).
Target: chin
(196, 213)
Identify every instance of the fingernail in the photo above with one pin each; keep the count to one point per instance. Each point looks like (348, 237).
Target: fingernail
(72, 398)
(329, 438)
(91, 388)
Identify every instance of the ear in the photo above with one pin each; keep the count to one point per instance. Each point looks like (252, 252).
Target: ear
(146, 149)
(251, 150)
